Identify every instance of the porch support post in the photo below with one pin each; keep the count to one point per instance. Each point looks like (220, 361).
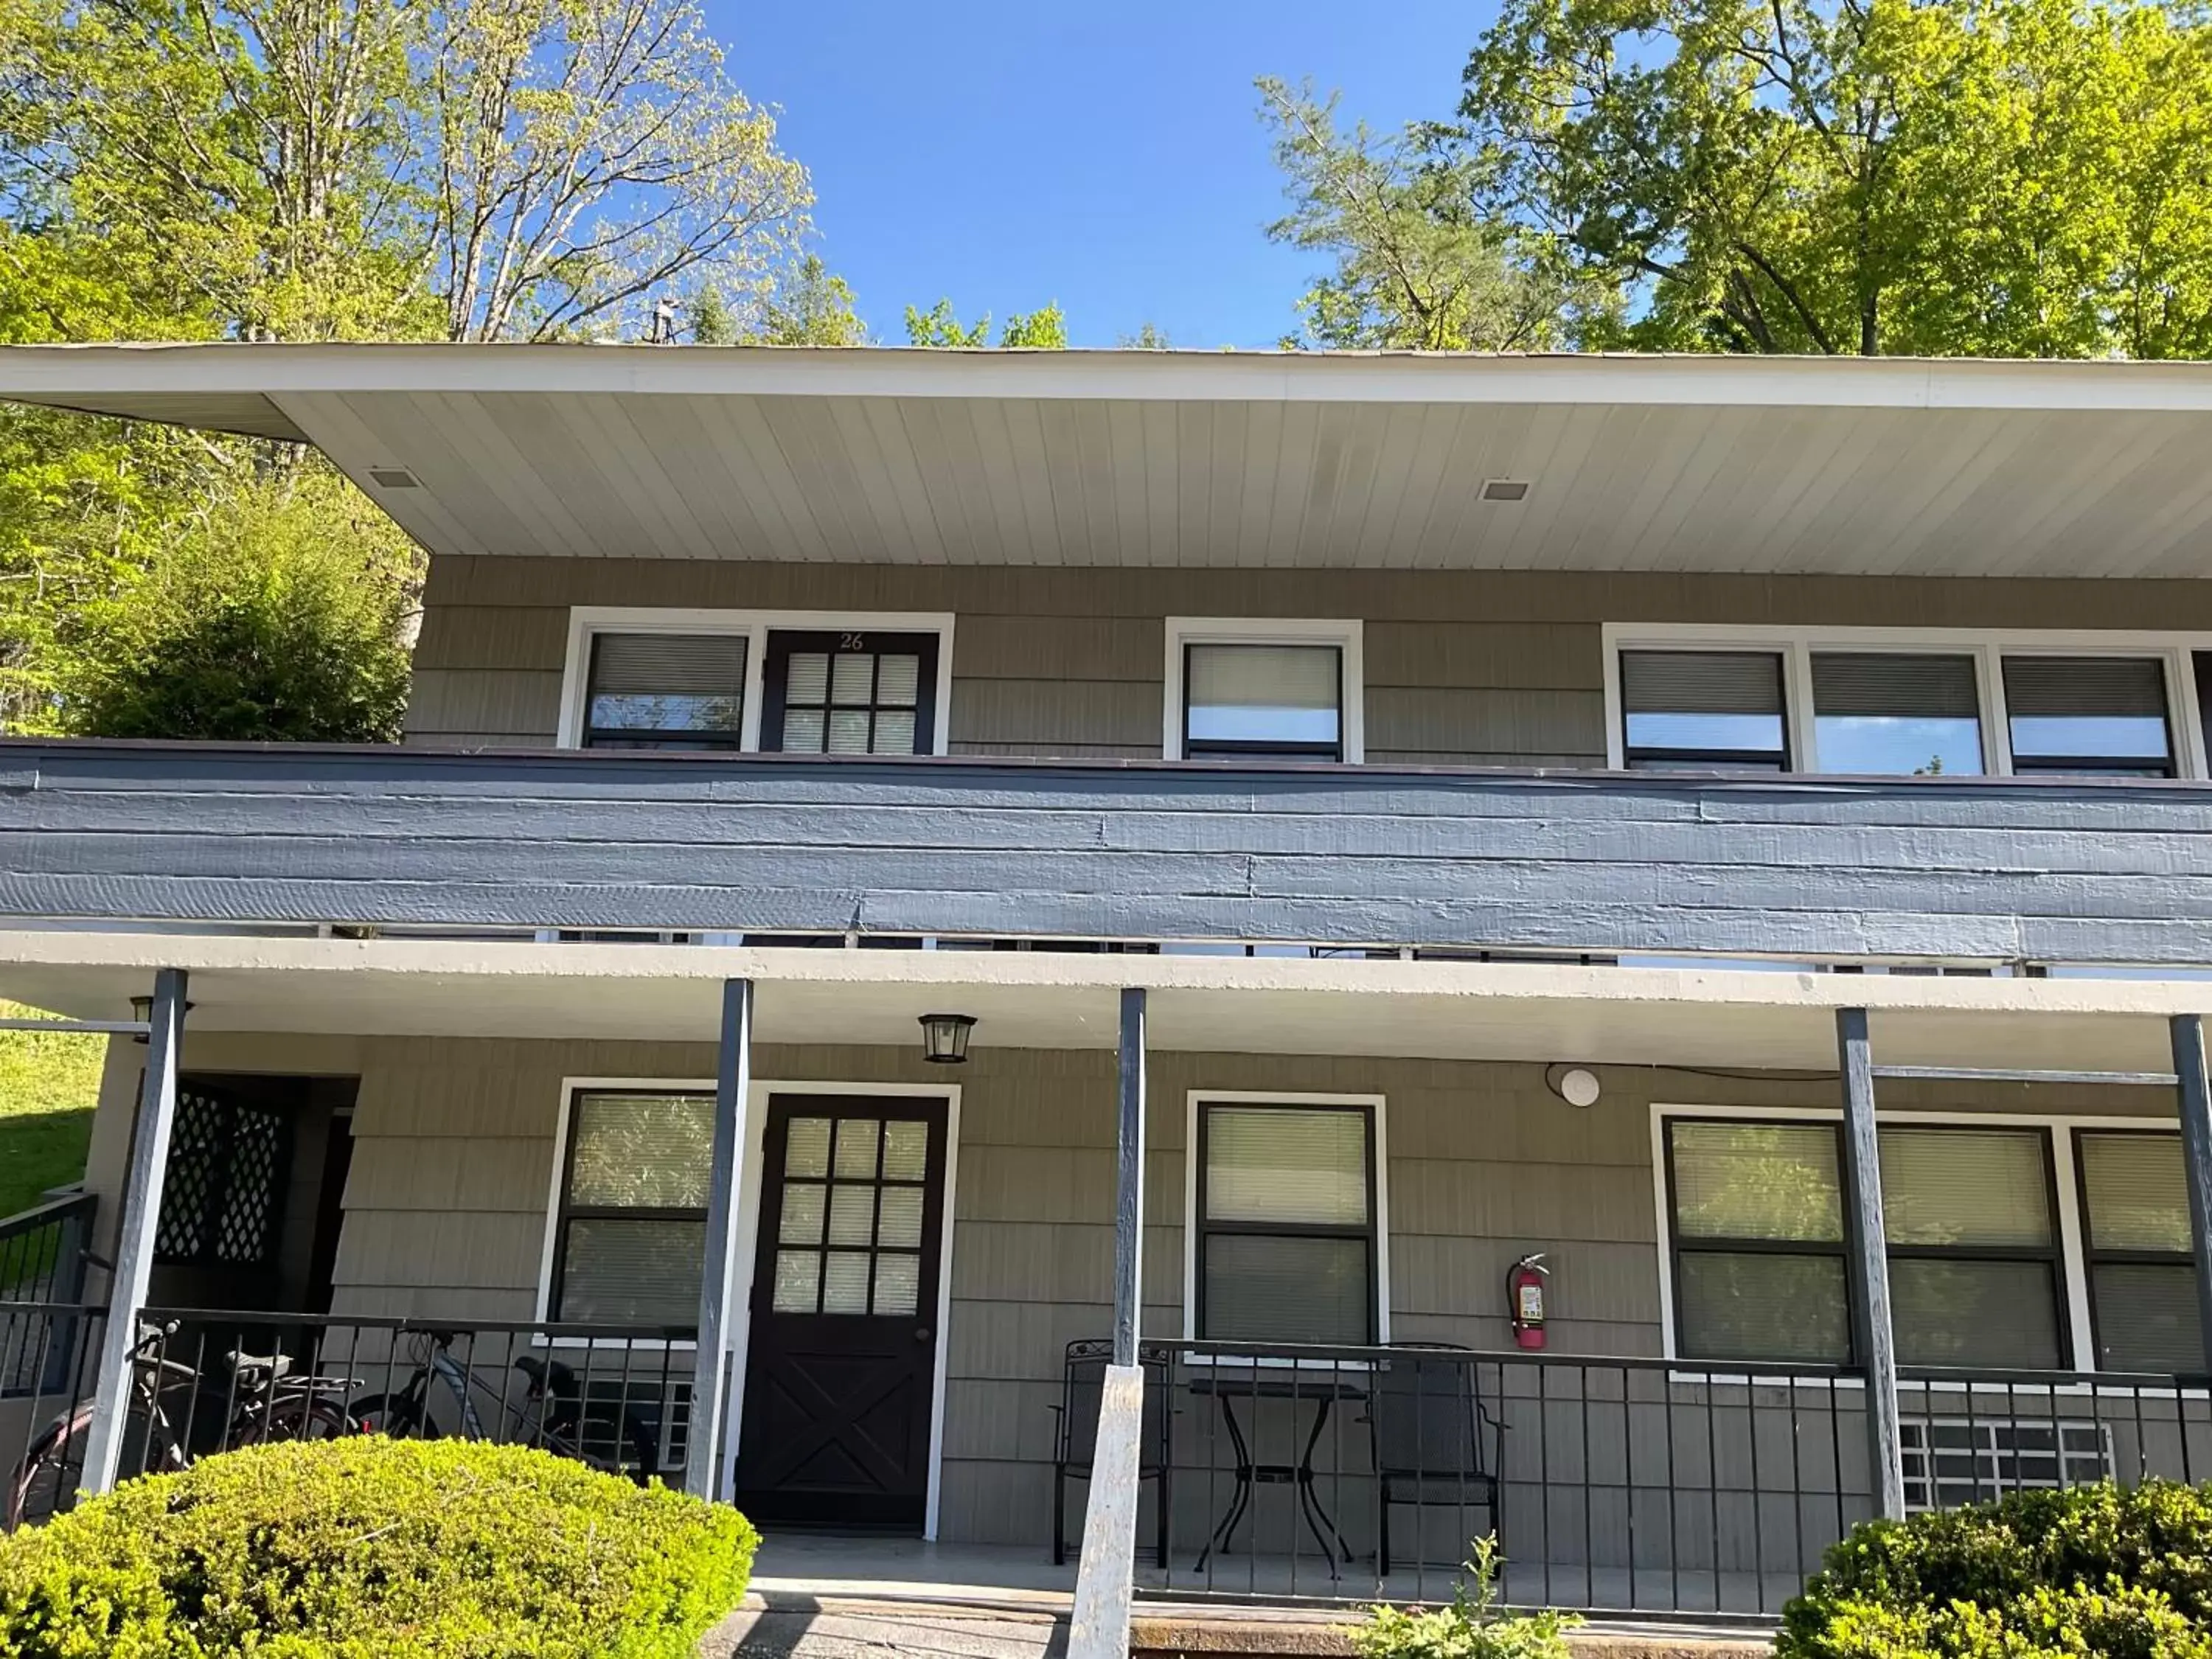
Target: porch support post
(718, 1278)
(1099, 1627)
(134, 1243)
(2196, 1101)
(1867, 1265)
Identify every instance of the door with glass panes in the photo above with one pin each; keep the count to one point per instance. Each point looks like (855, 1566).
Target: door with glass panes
(840, 1360)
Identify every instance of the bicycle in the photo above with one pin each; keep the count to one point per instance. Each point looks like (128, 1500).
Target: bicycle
(553, 1391)
(268, 1403)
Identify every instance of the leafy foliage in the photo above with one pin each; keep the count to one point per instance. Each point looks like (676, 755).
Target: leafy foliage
(2096, 1569)
(362, 1547)
(1420, 264)
(814, 307)
(1044, 328)
(1995, 178)
(1472, 1627)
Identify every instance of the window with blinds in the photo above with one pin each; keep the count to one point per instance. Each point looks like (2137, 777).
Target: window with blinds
(849, 693)
(1263, 700)
(630, 1234)
(1285, 1225)
(1892, 712)
(1695, 710)
(665, 691)
(2142, 1281)
(2103, 716)
(1758, 1241)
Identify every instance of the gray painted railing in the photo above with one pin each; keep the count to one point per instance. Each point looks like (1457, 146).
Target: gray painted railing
(2073, 870)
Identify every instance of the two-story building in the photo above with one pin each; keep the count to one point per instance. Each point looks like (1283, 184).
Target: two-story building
(906, 866)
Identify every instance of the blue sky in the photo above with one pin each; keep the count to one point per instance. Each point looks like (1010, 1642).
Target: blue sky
(1105, 155)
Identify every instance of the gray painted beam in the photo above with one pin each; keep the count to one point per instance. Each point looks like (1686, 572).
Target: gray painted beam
(2196, 1100)
(1105, 1577)
(2076, 870)
(1129, 1191)
(718, 1279)
(134, 1245)
(1866, 1264)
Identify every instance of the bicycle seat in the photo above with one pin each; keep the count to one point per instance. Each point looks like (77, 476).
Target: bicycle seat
(253, 1367)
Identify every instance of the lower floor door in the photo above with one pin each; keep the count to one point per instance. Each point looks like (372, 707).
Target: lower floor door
(842, 1359)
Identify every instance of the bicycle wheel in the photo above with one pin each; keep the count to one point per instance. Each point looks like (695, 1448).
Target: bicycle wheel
(399, 1415)
(47, 1481)
(294, 1419)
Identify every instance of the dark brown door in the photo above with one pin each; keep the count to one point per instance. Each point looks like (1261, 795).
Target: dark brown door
(842, 1357)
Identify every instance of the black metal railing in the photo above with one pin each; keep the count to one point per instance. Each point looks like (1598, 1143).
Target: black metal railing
(42, 1251)
(1614, 1486)
(206, 1381)
(50, 1351)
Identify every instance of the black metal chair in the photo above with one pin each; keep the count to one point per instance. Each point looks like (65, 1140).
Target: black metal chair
(1082, 1383)
(1434, 1442)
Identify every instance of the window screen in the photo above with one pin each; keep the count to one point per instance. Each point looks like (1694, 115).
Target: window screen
(665, 691)
(1758, 1241)
(850, 693)
(1690, 710)
(2101, 716)
(1286, 1233)
(1973, 1251)
(1879, 712)
(2143, 1279)
(632, 1228)
(1260, 699)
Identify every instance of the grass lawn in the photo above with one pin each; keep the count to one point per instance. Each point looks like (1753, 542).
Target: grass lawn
(48, 1087)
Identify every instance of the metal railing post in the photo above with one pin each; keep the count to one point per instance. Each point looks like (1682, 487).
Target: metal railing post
(710, 1379)
(134, 1243)
(2195, 1096)
(1874, 1330)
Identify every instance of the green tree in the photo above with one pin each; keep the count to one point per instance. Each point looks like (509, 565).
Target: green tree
(2002, 177)
(812, 307)
(1420, 264)
(1043, 328)
(1149, 337)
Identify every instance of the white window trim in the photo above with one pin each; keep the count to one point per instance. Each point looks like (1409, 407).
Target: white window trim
(1986, 646)
(1376, 1107)
(2060, 1127)
(584, 622)
(753, 1144)
(1346, 635)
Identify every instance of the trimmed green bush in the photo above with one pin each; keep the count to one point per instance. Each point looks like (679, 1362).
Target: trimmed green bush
(368, 1548)
(2127, 1575)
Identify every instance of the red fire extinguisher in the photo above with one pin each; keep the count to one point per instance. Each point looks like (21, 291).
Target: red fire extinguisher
(1524, 1296)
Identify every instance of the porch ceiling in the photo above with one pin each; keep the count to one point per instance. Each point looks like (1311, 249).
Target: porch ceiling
(1143, 458)
(1434, 1010)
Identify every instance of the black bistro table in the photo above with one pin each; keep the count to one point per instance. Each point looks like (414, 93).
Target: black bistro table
(1228, 1384)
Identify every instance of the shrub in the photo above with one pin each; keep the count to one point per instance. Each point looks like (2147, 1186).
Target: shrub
(1472, 1627)
(365, 1547)
(2091, 1570)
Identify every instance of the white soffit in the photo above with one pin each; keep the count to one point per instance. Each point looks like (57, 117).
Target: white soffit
(1880, 466)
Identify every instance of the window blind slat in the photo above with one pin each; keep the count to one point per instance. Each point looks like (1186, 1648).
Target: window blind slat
(2085, 686)
(1975, 1186)
(2137, 1191)
(669, 665)
(1263, 676)
(1884, 682)
(649, 1150)
(1701, 682)
(1284, 1164)
(1757, 1181)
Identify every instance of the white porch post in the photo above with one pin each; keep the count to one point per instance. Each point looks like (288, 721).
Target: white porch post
(1867, 1265)
(1099, 1625)
(718, 1286)
(134, 1242)
(2196, 1101)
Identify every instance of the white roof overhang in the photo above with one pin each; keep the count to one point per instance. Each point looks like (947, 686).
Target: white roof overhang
(1450, 1010)
(1854, 466)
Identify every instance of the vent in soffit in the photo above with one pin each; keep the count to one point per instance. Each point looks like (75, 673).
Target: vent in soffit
(1504, 489)
(393, 477)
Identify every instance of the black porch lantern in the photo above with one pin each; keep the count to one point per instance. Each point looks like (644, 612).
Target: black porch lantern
(944, 1038)
(141, 1011)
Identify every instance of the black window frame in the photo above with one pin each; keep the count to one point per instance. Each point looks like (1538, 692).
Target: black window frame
(2092, 1256)
(1203, 1228)
(565, 1210)
(779, 645)
(589, 736)
(1641, 757)
(2053, 1256)
(1246, 748)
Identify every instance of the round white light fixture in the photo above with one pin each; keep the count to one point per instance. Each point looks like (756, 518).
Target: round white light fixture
(1575, 1085)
